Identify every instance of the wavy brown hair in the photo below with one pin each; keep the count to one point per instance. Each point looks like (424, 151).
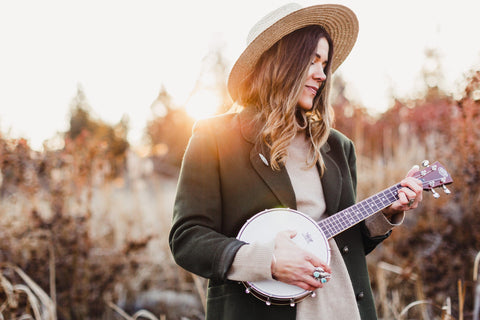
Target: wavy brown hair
(273, 90)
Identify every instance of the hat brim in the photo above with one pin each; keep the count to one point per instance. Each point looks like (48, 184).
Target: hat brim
(339, 21)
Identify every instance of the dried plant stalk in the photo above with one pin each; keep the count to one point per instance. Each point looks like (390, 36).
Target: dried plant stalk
(48, 304)
(32, 299)
(8, 290)
(119, 310)
(144, 314)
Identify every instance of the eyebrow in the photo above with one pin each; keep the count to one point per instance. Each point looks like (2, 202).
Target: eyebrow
(320, 57)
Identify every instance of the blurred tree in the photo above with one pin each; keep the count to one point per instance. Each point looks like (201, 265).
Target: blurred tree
(381, 135)
(169, 131)
(15, 158)
(214, 77)
(432, 70)
(96, 138)
(352, 119)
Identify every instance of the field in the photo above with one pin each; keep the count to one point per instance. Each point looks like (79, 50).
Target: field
(83, 235)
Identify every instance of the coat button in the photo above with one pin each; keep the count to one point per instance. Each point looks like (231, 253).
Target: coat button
(360, 295)
(345, 250)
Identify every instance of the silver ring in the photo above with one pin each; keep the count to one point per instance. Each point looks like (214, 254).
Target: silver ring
(320, 275)
(411, 201)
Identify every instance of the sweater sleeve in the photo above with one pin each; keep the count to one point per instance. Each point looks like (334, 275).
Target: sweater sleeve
(379, 225)
(252, 262)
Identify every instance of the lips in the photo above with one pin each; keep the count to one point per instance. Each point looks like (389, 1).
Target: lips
(312, 89)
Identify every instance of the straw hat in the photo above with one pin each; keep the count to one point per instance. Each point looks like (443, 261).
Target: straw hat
(339, 21)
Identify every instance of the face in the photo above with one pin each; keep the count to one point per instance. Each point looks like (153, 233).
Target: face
(316, 75)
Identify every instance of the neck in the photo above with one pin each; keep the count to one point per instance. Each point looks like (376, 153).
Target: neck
(349, 217)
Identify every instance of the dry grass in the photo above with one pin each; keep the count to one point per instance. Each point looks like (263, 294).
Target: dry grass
(112, 236)
(37, 304)
(79, 242)
(125, 227)
(104, 241)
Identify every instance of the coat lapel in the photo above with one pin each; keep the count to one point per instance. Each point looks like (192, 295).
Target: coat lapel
(278, 181)
(331, 181)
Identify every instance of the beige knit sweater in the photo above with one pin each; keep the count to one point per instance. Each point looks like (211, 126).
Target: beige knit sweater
(336, 300)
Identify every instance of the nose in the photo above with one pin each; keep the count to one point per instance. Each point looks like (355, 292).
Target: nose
(319, 73)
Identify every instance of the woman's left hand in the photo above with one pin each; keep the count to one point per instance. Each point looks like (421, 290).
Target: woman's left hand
(409, 196)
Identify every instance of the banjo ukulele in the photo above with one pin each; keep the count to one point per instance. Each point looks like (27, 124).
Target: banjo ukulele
(313, 236)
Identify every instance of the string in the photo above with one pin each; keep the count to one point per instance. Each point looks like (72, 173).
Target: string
(350, 216)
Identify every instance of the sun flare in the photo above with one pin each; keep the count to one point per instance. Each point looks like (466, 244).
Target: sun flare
(203, 104)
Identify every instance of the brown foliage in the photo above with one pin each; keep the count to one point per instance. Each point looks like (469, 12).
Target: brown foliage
(54, 190)
(40, 234)
(440, 240)
(169, 136)
(96, 138)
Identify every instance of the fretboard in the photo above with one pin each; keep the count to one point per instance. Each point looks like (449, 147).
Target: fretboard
(349, 217)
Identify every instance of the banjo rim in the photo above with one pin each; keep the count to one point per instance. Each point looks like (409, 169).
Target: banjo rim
(273, 298)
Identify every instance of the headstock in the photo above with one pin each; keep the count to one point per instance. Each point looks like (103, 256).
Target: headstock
(433, 176)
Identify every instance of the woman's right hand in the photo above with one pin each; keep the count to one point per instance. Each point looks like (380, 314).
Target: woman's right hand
(293, 265)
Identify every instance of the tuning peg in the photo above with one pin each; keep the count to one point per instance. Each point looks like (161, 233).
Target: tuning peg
(425, 163)
(445, 189)
(435, 194)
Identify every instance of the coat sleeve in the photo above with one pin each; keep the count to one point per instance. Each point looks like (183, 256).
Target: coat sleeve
(195, 239)
(369, 242)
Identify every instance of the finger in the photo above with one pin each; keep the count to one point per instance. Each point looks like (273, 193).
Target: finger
(409, 199)
(306, 286)
(290, 234)
(402, 197)
(316, 262)
(416, 186)
(305, 281)
(413, 170)
(322, 277)
(408, 193)
(311, 281)
(412, 183)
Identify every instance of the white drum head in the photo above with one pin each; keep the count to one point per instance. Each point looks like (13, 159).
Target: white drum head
(264, 226)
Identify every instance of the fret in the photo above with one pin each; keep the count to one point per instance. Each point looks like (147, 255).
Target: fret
(360, 211)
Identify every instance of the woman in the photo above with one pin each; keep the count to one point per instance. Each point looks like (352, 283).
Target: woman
(280, 151)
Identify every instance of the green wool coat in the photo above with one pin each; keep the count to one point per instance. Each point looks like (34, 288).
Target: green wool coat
(223, 182)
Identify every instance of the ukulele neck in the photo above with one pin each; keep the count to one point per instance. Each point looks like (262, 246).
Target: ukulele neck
(350, 216)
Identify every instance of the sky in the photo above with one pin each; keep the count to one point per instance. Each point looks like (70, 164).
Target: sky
(121, 52)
